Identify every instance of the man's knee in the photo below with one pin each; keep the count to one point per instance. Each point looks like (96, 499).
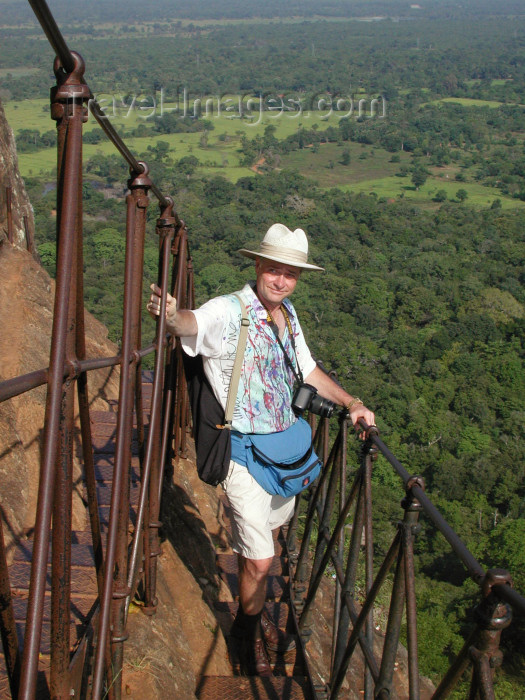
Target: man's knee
(256, 568)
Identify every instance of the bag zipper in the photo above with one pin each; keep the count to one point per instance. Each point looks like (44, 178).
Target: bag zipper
(298, 476)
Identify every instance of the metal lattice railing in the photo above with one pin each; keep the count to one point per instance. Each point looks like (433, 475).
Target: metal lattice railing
(328, 511)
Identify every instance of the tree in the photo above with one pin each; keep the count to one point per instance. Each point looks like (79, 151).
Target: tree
(419, 177)
(507, 543)
(108, 246)
(160, 150)
(440, 196)
(47, 252)
(187, 165)
(345, 157)
(461, 195)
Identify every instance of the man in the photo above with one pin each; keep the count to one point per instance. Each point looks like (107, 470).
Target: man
(263, 405)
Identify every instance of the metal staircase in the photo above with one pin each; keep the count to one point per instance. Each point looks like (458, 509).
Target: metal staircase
(84, 606)
(291, 680)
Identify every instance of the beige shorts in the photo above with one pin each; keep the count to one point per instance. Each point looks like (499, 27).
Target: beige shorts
(255, 513)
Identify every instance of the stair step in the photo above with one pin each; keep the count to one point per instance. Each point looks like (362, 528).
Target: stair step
(106, 445)
(105, 463)
(243, 688)
(104, 490)
(81, 609)
(83, 579)
(84, 590)
(85, 537)
(104, 517)
(109, 418)
(81, 554)
(81, 605)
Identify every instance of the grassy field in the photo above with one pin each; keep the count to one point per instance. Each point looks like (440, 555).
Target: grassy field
(29, 114)
(470, 102)
(397, 187)
(369, 170)
(366, 164)
(225, 156)
(222, 142)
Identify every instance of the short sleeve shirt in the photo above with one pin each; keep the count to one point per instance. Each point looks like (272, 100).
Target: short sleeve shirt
(264, 396)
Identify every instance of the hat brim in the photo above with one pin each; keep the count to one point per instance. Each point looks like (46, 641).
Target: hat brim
(254, 255)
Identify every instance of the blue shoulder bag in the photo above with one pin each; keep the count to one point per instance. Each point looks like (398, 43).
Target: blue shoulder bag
(282, 463)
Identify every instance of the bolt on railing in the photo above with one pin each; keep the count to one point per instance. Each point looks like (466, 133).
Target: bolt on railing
(353, 619)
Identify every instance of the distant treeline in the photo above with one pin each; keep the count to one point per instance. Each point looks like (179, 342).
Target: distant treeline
(163, 10)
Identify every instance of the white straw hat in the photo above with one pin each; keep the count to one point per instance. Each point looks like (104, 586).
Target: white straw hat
(284, 246)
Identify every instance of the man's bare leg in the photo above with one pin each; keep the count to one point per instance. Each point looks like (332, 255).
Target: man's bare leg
(253, 574)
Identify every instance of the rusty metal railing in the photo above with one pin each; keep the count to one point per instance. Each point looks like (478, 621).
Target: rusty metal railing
(121, 561)
(328, 511)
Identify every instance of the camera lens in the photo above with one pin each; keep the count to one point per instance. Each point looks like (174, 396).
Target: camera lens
(321, 406)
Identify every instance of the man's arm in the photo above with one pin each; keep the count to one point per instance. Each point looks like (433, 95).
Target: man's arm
(332, 391)
(181, 323)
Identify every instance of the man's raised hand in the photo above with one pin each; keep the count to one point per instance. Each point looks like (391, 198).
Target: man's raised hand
(153, 305)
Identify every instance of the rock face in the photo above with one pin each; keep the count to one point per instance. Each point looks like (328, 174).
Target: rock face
(10, 178)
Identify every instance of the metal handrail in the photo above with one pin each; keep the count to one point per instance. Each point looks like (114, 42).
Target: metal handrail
(16, 386)
(353, 625)
(473, 567)
(68, 60)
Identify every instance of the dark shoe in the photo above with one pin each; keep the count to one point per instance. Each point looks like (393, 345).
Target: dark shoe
(238, 628)
(274, 638)
(256, 660)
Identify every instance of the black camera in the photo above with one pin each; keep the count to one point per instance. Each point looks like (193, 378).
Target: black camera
(306, 398)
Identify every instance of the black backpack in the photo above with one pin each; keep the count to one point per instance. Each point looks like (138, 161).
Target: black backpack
(212, 444)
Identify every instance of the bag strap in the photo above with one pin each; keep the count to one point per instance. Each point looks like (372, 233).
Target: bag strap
(237, 366)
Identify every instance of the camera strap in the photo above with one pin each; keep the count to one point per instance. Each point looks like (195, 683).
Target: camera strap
(296, 372)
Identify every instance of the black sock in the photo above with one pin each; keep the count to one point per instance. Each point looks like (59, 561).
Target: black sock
(253, 626)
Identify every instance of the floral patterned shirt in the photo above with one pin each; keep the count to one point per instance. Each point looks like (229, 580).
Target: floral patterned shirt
(263, 403)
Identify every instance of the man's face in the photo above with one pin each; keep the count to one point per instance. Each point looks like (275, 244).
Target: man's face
(275, 281)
